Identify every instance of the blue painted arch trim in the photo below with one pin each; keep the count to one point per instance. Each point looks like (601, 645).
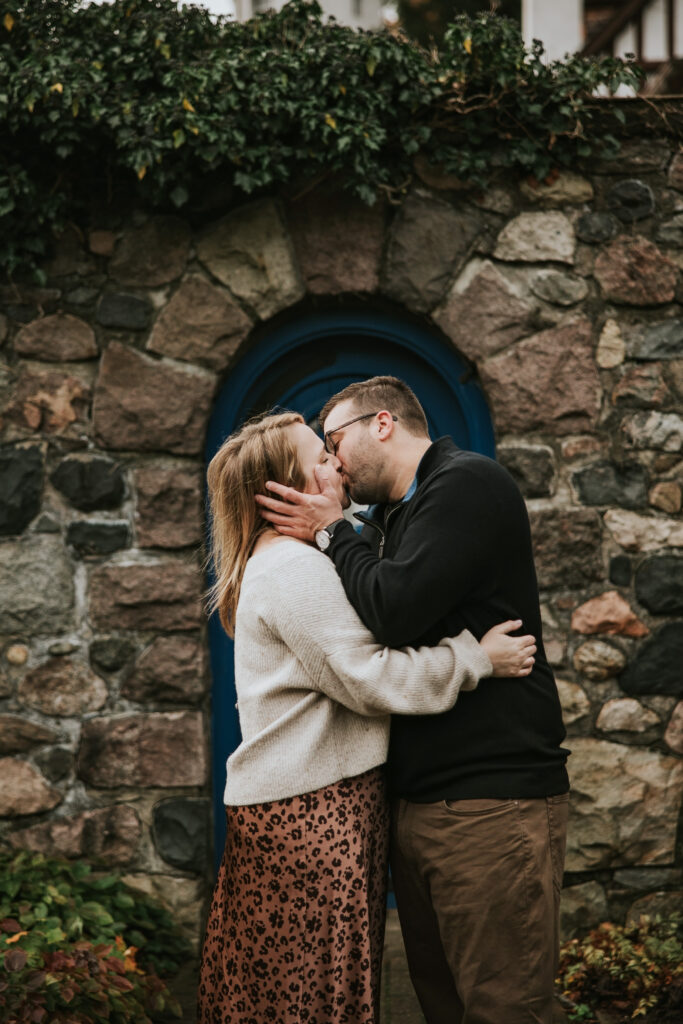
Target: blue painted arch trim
(299, 364)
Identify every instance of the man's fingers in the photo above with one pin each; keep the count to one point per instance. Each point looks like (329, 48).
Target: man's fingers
(287, 493)
(283, 507)
(277, 519)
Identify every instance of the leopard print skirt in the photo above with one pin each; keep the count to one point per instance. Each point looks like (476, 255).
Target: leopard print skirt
(296, 925)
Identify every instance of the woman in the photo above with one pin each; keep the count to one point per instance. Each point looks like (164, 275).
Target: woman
(296, 924)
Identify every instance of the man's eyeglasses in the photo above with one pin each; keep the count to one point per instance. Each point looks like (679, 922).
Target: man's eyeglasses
(331, 446)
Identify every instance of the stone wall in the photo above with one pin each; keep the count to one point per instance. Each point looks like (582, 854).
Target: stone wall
(565, 299)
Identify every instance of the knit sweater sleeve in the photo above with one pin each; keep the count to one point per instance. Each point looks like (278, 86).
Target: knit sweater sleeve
(311, 613)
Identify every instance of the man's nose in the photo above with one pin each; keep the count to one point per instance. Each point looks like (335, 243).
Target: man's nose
(335, 463)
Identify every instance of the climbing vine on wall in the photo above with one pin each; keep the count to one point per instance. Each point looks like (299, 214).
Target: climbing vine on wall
(140, 100)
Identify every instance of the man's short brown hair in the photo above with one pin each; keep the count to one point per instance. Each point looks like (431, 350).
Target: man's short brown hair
(379, 393)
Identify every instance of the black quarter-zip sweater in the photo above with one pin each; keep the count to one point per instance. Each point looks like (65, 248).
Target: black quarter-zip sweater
(458, 555)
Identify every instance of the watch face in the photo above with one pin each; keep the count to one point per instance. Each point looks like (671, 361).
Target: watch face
(322, 539)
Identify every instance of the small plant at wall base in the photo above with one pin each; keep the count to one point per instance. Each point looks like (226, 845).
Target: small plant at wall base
(80, 948)
(632, 971)
(141, 101)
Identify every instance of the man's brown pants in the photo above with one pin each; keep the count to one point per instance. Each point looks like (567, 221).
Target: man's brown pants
(478, 889)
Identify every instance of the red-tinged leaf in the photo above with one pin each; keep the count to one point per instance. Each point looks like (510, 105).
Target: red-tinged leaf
(38, 1014)
(9, 925)
(122, 984)
(15, 960)
(67, 993)
(36, 980)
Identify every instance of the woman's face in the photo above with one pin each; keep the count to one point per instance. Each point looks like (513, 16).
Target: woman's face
(311, 454)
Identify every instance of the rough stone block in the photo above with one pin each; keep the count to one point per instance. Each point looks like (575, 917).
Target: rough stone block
(563, 188)
(164, 749)
(124, 312)
(153, 254)
(36, 587)
(595, 228)
(606, 483)
(428, 241)
(575, 703)
(662, 340)
(671, 232)
(97, 538)
(17, 735)
(200, 324)
(641, 386)
(598, 660)
(55, 762)
(673, 736)
(338, 242)
(656, 667)
(60, 338)
(611, 346)
(643, 533)
(666, 496)
(62, 687)
(111, 653)
(559, 289)
(607, 613)
(548, 381)
(657, 430)
(482, 314)
(171, 670)
(631, 200)
(144, 405)
(181, 832)
(49, 402)
(566, 547)
(582, 907)
(624, 805)
(169, 507)
(89, 482)
(537, 237)
(163, 596)
(21, 486)
(624, 714)
(110, 835)
(24, 790)
(659, 584)
(633, 271)
(531, 466)
(250, 252)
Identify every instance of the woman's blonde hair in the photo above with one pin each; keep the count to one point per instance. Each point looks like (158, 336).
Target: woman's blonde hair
(261, 450)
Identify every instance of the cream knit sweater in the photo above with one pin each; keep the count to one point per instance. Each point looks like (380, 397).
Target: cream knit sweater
(314, 689)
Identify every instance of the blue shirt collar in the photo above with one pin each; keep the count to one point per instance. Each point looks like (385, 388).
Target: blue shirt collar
(371, 509)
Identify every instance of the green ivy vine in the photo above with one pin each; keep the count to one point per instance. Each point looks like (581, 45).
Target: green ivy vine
(139, 101)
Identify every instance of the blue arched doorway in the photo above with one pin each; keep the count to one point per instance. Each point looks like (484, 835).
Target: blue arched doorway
(298, 365)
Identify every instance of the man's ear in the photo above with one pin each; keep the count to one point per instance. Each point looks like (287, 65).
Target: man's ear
(386, 422)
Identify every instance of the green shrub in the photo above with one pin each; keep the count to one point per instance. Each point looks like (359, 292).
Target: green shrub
(138, 101)
(632, 971)
(79, 947)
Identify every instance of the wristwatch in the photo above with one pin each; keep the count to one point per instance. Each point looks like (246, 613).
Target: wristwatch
(323, 538)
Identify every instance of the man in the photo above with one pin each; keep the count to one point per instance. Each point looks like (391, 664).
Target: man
(481, 791)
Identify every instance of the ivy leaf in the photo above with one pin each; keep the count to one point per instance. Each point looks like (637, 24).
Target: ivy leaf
(15, 960)
(179, 197)
(178, 138)
(8, 22)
